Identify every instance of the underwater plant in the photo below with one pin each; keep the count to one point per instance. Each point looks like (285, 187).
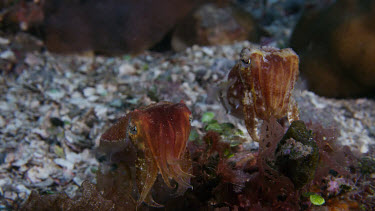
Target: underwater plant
(159, 134)
(261, 85)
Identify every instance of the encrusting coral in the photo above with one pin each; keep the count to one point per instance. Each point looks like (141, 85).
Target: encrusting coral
(261, 85)
(159, 133)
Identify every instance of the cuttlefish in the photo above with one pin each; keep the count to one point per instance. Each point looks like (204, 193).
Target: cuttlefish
(159, 134)
(260, 86)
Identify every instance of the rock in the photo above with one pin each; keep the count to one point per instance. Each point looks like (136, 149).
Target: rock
(8, 55)
(126, 69)
(336, 46)
(2, 121)
(89, 91)
(352, 119)
(4, 41)
(55, 94)
(10, 195)
(297, 154)
(214, 25)
(113, 27)
(32, 60)
(64, 163)
(77, 142)
(38, 174)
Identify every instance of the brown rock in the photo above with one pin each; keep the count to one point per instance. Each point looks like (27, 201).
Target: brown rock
(110, 27)
(336, 46)
(116, 26)
(213, 24)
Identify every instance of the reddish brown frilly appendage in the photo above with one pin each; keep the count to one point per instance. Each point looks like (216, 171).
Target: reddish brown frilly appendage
(159, 133)
(261, 86)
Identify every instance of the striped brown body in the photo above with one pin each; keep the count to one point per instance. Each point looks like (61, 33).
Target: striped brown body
(159, 133)
(261, 86)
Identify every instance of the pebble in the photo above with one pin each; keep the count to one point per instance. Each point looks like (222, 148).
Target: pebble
(4, 41)
(208, 51)
(78, 180)
(10, 158)
(5, 181)
(126, 69)
(22, 161)
(116, 103)
(8, 55)
(34, 104)
(55, 94)
(70, 137)
(101, 111)
(22, 189)
(89, 91)
(38, 174)
(2, 121)
(174, 78)
(71, 190)
(100, 89)
(191, 77)
(32, 60)
(64, 163)
(10, 195)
